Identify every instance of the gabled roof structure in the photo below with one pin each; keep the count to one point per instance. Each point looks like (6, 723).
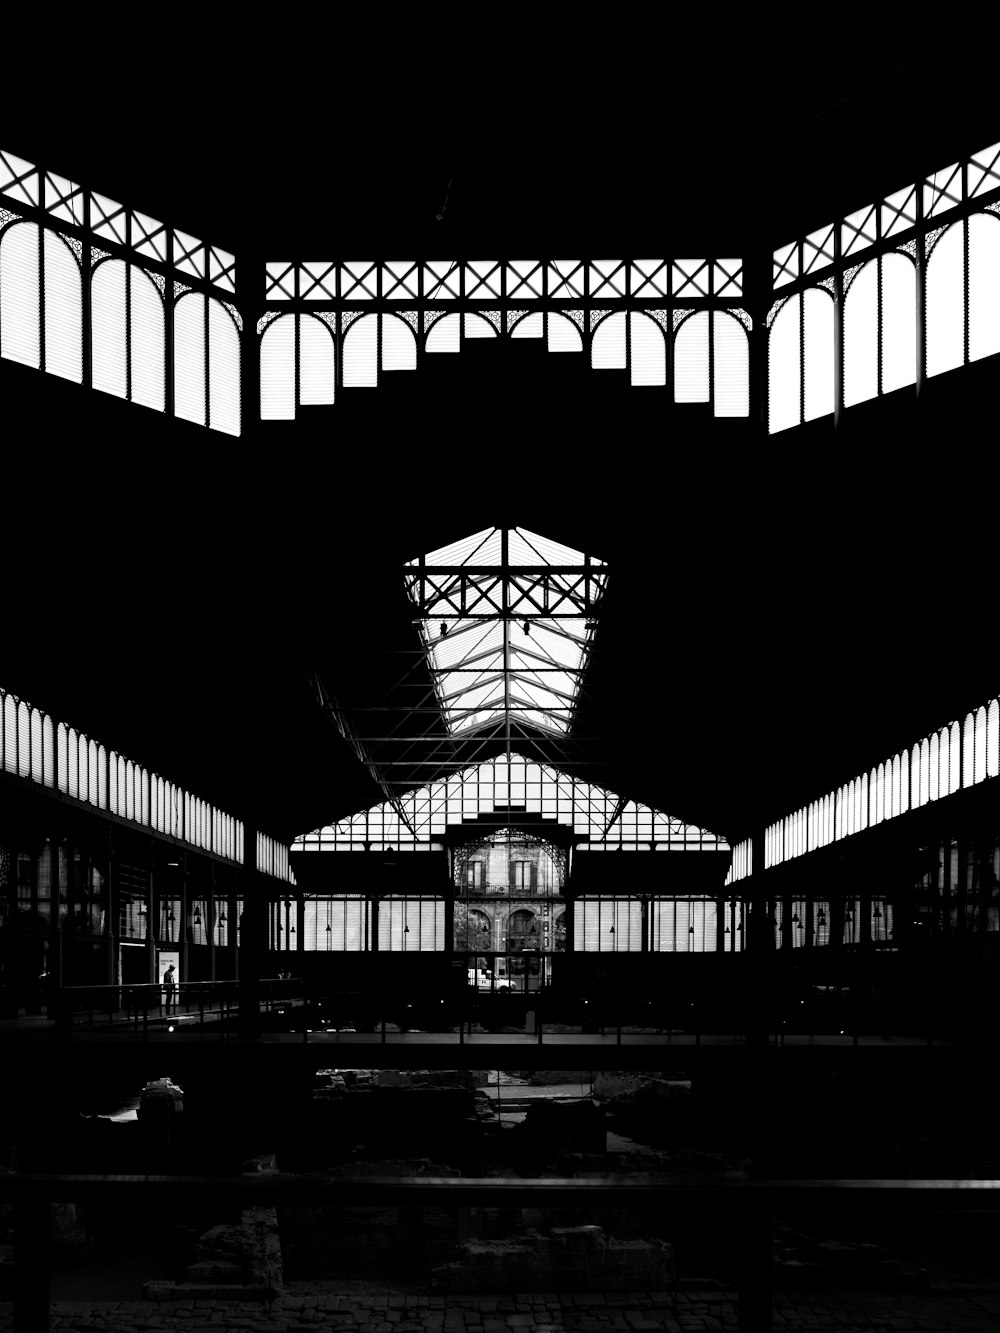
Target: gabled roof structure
(518, 789)
(506, 620)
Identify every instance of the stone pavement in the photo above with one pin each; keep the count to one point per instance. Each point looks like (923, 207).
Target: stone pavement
(359, 1307)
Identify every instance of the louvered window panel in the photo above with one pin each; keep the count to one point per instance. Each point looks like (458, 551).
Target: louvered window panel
(649, 351)
(899, 322)
(563, 334)
(361, 353)
(316, 363)
(399, 346)
(607, 925)
(993, 739)
(607, 350)
(223, 370)
(48, 751)
(445, 335)
(334, 924)
(861, 337)
(818, 344)
(411, 925)
(979, 771)
(945, 303)
(691, 360)
(36, 745)
(148, 340)
(19, 294)
(107, 320)
(984, 285)
(684, 925)
(189, 358)
(63, 310)
(784, 368)
(277, 370)
(732, 367)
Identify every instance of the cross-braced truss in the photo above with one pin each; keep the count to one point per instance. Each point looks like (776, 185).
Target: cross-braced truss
(506, 620)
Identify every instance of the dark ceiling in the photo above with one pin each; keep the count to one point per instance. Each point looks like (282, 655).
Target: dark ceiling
(780, 612)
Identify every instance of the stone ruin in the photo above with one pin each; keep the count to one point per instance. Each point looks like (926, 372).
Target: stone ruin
(240, 1261)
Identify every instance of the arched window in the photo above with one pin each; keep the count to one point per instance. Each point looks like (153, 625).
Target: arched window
(473, 326)
(984, 285)
(934, 768)
(63, 309)
(691, 360)
(20, 335)
(993, 739)
(223, 370)
(607, 347)
(899, 322)
(360, 344)
(135, 370)
(861, 336)
(317, 363)
(800, 360)
(731, 366)
(563, 334)
(980, 763)
(277, 370)
(445, 335)
(399, 343)
(968, 750)
(648, 350)
(206, 364)
(945, 302)
(37, 772)
(530, 326)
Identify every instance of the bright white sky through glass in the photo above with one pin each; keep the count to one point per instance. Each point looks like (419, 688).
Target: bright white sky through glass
(518, 644)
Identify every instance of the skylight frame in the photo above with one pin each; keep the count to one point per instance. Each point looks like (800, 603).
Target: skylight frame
(524, 584)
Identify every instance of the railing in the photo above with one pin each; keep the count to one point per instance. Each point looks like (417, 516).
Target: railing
(139, 1004)
(749, 1206)
(471, 1016)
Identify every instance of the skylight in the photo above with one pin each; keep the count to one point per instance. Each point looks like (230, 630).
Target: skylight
(539, 792)
(506, 620)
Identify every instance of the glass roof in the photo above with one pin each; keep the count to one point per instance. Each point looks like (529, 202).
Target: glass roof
(516, 784)
(506, 620)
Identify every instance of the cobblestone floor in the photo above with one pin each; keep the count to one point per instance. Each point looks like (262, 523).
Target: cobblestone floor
(365, 1308)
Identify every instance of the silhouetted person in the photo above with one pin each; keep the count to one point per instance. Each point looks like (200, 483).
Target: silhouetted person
(171, 987)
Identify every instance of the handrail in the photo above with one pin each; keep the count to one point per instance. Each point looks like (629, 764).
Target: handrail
(751, 1204)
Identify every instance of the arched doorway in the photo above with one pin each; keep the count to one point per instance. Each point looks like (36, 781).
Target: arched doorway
(508, 898)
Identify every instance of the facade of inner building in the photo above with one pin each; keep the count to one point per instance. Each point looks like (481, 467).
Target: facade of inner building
(458, 825)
